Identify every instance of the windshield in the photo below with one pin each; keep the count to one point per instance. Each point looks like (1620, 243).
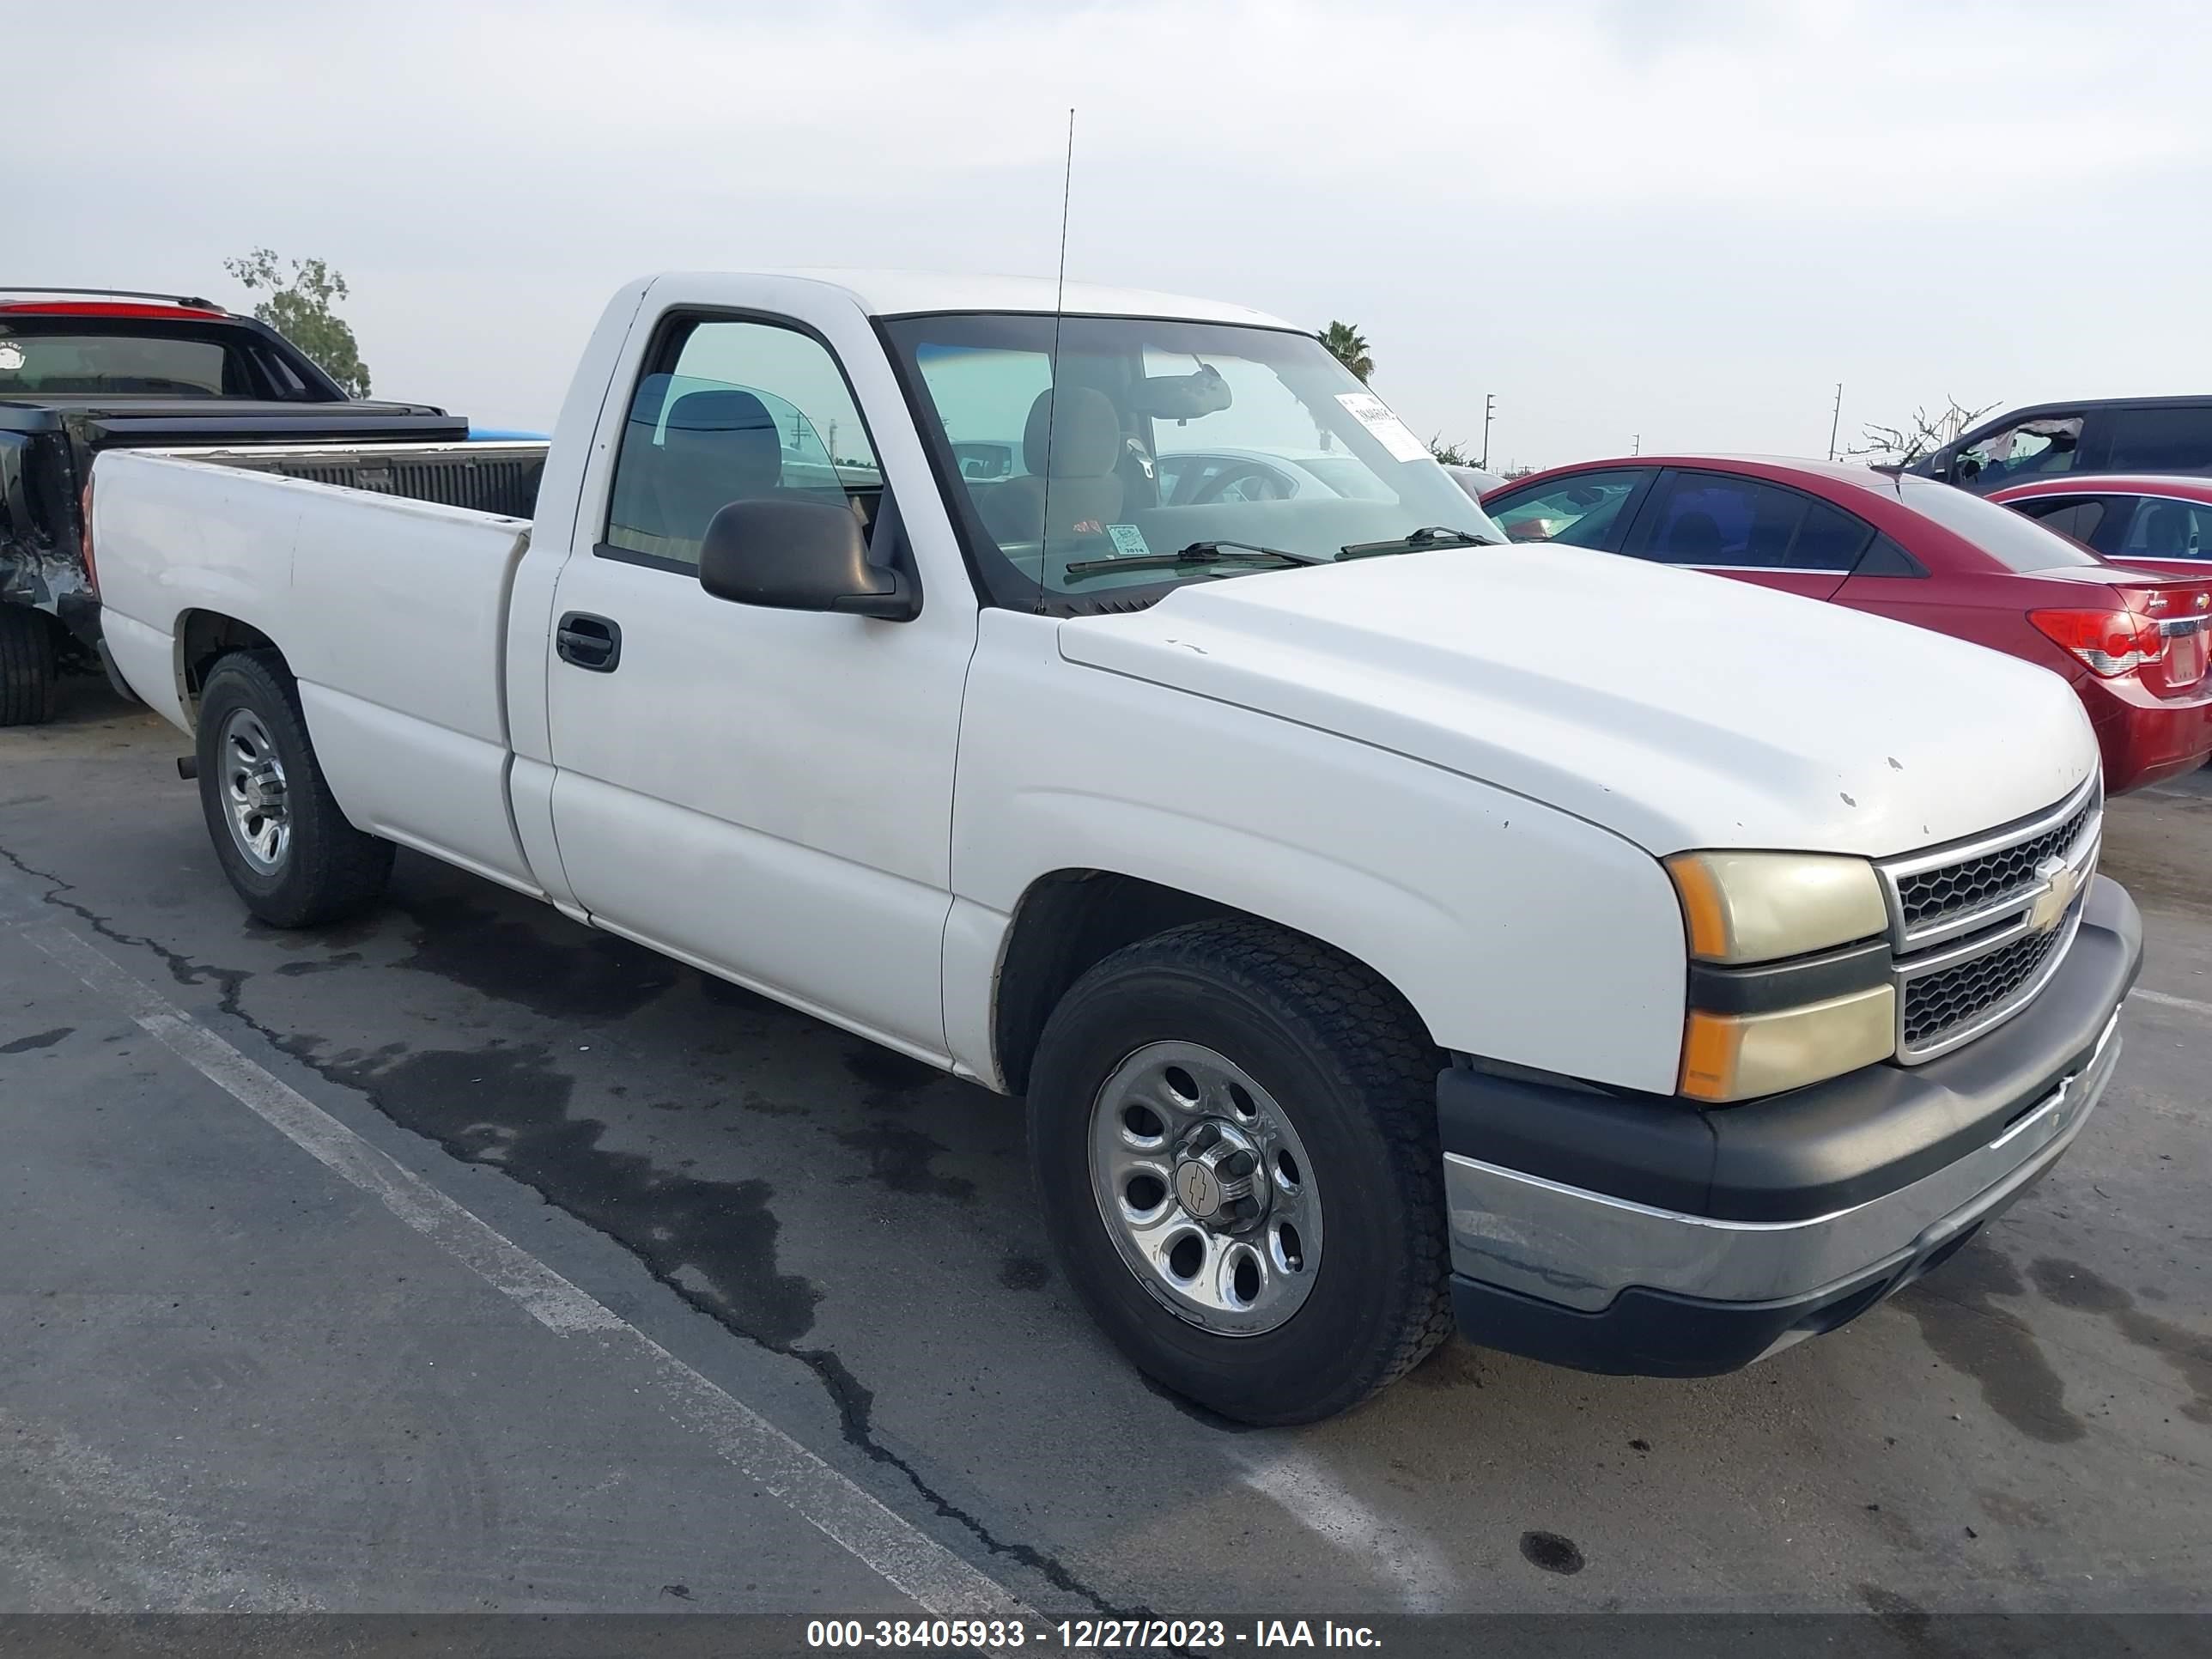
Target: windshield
(1156, 437)
(2012, 539)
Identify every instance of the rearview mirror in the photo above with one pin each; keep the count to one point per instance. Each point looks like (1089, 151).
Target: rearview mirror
(1181, 396)
(800, 556)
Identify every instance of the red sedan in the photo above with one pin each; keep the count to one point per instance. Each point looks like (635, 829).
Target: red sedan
(2132, 642)
(2161, 524)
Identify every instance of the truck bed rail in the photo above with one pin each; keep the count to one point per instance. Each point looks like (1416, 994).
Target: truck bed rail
(496, 477)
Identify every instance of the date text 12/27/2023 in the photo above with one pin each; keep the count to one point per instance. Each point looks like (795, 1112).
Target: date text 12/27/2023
(1085, 1635)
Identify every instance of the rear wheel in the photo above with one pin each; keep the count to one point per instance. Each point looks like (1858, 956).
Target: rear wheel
(288, 851)
(1234, 1129)
(26, 667)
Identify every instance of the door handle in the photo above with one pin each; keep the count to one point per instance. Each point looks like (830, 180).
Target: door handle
(588, 641)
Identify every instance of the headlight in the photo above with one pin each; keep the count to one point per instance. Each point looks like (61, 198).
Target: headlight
(1759, 906)
(1789, 971)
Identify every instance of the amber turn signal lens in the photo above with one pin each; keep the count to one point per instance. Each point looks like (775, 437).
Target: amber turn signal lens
(1741, 1056)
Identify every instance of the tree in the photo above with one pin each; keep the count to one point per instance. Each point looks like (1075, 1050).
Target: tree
(298, 308)
(1924, 434)
(1349, 346)
(1450, 454)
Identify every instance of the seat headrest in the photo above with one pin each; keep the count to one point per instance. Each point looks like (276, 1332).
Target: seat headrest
(1079, 426)
(733, 432)
(1696, 536)
(2165, 528)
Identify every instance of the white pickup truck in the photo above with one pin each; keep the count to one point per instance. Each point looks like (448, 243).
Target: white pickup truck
(1384, 925)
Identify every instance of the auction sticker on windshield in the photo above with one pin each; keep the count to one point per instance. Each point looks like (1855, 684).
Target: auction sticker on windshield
(1394, 436)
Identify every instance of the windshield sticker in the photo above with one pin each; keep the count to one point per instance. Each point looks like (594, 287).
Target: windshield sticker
(11, 355)
(1393, 433)
(1129, 540)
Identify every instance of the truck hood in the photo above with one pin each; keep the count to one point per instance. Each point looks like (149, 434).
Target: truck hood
(1677, 709)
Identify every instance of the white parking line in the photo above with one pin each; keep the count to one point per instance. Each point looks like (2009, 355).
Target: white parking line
(2202, 1010)
(940, 1582)
(1320, 1503)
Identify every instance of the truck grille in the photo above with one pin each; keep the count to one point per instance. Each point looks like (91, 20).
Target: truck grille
(1978, 927)
(1933, 897)
(1938, 1004)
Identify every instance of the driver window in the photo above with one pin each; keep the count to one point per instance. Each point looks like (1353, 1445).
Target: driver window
(731, 411)
(2033, 448)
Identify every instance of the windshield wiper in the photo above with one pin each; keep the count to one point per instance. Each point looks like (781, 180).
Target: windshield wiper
(1197, 555)
(1435, 535)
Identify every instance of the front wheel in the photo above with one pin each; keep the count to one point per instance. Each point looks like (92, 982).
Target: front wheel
(1234, 1129)
(288, 851)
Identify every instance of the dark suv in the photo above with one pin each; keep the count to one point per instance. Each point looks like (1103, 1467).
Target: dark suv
(2095, 434)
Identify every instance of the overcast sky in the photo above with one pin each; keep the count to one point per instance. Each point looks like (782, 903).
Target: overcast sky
(1680, 219)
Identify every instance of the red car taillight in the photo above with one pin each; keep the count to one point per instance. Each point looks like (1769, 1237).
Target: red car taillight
(2110, 642)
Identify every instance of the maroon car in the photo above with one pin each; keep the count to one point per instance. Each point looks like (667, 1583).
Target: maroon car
(2162, 523)
(2132, 642)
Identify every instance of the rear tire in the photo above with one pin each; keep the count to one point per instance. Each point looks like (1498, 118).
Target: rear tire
(26, 667)
(288, 850)
(1296, 1046)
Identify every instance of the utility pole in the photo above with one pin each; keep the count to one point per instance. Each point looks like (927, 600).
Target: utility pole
(1835, 420)
(1489, 402)
(1636, 444)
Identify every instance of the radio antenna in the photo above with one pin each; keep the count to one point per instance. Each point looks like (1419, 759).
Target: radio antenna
(1067, 184)
(1052, 392)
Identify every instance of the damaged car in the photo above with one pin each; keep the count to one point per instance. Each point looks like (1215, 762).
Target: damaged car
(84, 370)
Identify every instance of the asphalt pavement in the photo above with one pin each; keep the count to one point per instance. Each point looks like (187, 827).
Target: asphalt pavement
(463, 1259)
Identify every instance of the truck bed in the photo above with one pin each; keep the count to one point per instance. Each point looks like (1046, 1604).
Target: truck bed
(499, 477)
(385, 571)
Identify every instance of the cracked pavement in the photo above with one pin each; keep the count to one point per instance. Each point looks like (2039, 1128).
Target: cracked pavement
(227, 1379)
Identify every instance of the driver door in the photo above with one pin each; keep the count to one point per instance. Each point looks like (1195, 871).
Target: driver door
(764, 792)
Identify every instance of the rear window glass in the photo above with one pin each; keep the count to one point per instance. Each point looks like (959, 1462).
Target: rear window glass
(2161, 441)
(60, 365)
(2074, 515)
(2016, 542)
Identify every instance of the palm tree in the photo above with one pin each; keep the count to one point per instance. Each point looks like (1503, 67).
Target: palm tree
(1349, 346)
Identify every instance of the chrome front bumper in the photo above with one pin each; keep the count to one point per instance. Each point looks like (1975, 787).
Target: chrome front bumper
(1623, 1233)
(1580, 1248)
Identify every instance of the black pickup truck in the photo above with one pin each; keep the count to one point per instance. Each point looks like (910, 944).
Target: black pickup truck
(83, 370)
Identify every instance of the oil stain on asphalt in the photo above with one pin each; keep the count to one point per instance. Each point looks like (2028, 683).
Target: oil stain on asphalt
(1551, 1551)
(24, 1045)
(1959, 1319)
(595, 976)
(2072, 1286)
(714, 1240)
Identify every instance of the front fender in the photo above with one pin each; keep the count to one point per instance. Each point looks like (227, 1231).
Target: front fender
(1517, 932)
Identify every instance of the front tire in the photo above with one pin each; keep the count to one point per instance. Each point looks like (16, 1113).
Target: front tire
(288, 850)
(1234, 1131)
(26, 667)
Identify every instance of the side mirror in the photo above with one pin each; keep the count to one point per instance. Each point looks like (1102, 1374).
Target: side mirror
(800, 556)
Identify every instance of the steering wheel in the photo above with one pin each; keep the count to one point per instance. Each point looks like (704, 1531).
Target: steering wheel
(1218, 486)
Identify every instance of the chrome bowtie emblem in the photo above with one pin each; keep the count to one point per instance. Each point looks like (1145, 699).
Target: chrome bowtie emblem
(2063, 882)
(1200, 1192)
